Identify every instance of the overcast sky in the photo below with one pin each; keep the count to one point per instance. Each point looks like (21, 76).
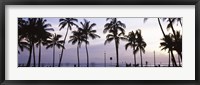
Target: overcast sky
(151, 33)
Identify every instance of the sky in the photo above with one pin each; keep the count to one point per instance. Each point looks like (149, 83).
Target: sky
(151, 34)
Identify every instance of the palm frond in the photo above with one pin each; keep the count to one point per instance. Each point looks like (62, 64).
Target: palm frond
(108, 40)
(60, 20)
(49, 46)
(60, 46)
(128, 45)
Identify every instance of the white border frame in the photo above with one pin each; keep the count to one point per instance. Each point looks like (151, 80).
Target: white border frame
(187, 72)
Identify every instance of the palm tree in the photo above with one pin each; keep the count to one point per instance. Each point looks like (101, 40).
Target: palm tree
(27, 30)
(173, 21)
(131, 38)
(78, 38)
(22, 43)
(178, 45)
(116, 33)
(43, 35)
(140, 44)
(69, 22)
(170, 25)
(87, 30)
(54, 41)
(168, 43)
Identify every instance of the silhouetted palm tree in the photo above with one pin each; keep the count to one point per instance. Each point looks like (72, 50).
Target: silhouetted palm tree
(178, 45)
(69, 22)
(168, 43)
(78, 38)
(170, 25)
(131, 38)
(42, 34)
(166, 37)
(27, 30)
(173, 21)
(140, 46)
(116, 33)
(87, 30)
(54, 41)
(22, 43)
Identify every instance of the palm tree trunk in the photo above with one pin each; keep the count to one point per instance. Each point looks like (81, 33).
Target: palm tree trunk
(29, 59)
(179, 61)
(173, 59)
(161, 27)
(78, 56)
(39, 55)
(53, 55)
(180, 55)
(134, 56)
(169, 59)
(34, 63)
(87, 55)
(180, 23)
(171, 24)
(117, 57)
(61, 55)
(141, 58)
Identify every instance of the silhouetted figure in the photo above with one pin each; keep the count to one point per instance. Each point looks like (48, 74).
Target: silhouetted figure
(146, 63)
(111, 60)
(137, 65)
(128, 65)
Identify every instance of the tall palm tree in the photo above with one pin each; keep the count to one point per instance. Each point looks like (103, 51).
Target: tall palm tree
(116, 32)
(43, 35)
(168, 43)
(54, 41)
(78, 38)
(141, 44)
(88, 32)
(69, 22)
(170, 25)
(27, 30)
(22, 43)
(131, 38)
(178, 45)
